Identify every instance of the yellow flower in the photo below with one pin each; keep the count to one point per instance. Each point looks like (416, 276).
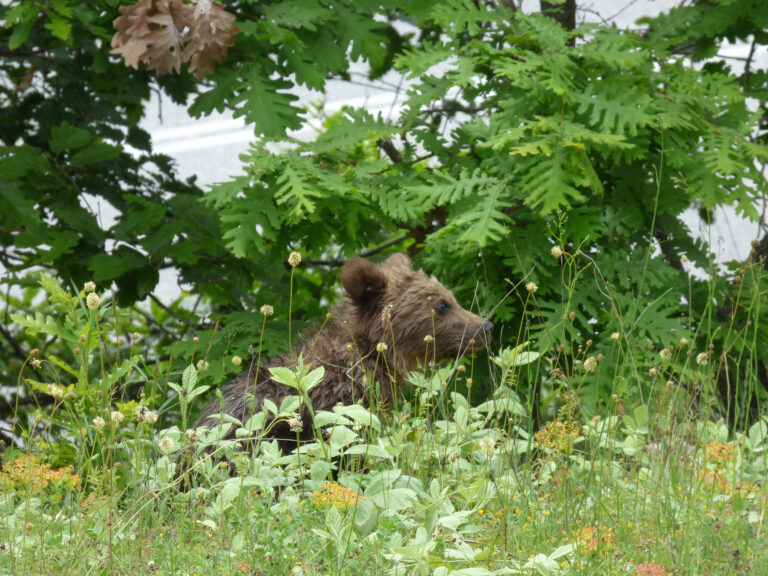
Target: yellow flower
(89, 287)
(236, 360)
(531, 287)
(336, 495)
(267, 310)
(556, 252)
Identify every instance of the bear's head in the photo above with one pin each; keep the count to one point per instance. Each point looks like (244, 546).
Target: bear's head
(407, 310)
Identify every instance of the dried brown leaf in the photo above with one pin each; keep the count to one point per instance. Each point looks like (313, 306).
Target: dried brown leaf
(163, 34)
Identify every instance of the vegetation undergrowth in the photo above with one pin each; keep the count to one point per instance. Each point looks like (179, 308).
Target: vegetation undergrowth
(458, 478)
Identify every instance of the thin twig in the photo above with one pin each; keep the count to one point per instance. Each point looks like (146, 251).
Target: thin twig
(749, 59)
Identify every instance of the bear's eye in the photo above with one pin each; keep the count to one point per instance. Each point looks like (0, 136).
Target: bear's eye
(442, 307)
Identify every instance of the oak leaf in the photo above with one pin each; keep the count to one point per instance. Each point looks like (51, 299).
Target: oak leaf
(164, 34)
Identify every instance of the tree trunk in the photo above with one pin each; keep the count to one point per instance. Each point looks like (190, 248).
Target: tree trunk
(563, 12)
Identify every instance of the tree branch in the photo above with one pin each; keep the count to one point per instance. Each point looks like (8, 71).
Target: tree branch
(665, 245)
(12, 341)
(387, 146)
(174, 314)
(336, 262)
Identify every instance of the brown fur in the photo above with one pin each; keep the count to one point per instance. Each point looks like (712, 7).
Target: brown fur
(388, 303)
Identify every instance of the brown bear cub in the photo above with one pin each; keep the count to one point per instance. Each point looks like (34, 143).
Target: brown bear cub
(391, 318)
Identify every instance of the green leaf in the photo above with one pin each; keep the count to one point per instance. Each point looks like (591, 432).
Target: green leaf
(298, 191)
(352, 127)
(257, 98)
(68, 137)
(368, 450)
(189, 378)
(120, 262)
(95, 153)
(59, 26)
(457, 15)
(359, 414)
(477, 221)
(362, 34)
(22, 18)
(43, 324)
(307, 14)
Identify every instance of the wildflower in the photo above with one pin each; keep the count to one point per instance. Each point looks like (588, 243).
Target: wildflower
(236, 360)
(36, 363)
(196, 340)
(615, 336)
(589, 538)
(166, 444)
(572, 316)
(702, 359)
(556, 252)
(469, 382)
(652, 371)
(590, 364)
(144, 414)
(55, 391)
(294, 259)
(28, 473)
(557, 435)
(34, 352)
(486, 443)
(135, 335)
(116, 417)
(99, 423)
(386, 317)
(92, 301)
(683, 342)
(267, 310)
(461, 369)
(531, 287)
(719, 453)
(89, 287)
(381, 347)
(202, 365)
(665, 354)
(336, 495)
(295, 424)
(192, 436)
(650, 569)
(428, 339)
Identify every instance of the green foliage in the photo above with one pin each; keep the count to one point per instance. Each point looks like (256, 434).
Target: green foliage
(448, 487)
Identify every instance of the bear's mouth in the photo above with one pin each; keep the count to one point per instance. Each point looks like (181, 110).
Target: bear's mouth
(477, 340)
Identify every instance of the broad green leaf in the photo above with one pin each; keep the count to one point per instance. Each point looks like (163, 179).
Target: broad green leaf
(68, 137)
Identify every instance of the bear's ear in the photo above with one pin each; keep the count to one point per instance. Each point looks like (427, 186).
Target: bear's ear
(363, 280)
(398, 261)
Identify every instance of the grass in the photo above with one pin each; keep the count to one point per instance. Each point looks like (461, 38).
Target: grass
(438, 485)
